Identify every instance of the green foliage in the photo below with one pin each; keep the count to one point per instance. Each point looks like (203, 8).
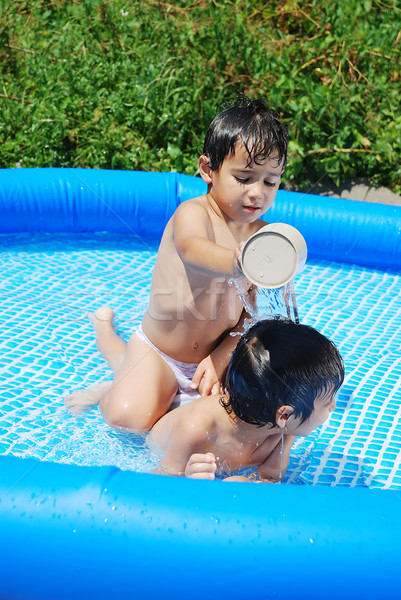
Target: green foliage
(133, 84)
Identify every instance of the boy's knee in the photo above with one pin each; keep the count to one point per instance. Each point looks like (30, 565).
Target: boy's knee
(119, 415)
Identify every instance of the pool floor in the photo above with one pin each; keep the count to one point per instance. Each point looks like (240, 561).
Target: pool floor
(47, 349)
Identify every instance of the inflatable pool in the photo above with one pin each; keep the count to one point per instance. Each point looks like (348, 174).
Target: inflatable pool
(69, 530)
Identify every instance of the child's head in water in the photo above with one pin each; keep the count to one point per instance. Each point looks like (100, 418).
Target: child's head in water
(278, 364)
(250, 123)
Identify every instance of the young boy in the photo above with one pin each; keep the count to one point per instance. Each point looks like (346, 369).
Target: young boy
(281, 383)
(184, 344)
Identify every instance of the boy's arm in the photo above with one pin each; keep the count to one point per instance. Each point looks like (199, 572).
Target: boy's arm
(211, 370)
(274, 467)
(203, 465)
(272, 470)
(192, 236)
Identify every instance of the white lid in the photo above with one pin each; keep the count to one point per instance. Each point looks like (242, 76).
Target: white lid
(269, 259)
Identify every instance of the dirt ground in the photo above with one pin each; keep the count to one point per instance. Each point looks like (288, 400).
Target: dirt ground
(355, 189)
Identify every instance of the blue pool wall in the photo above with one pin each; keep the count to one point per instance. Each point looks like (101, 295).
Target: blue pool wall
(99, 532)
(85, 200)
(70, 531)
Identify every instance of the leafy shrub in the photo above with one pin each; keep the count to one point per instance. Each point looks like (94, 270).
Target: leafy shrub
(133, 84)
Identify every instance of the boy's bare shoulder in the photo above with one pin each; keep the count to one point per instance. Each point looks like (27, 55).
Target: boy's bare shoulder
(197, 419)
(189, 431)
(194, 204)
(194, 429)
(192, 217)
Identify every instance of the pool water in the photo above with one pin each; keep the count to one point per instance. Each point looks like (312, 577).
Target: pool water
(47, 349)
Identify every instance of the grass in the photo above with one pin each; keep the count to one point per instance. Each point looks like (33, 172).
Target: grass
(133, 84)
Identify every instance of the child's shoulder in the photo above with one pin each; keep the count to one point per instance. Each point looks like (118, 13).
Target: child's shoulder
(198, 417)
(193, 204)
(191, 212)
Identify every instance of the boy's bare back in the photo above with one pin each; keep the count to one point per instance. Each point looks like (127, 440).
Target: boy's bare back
(204, 427)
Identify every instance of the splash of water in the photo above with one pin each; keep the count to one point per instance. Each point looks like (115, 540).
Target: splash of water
(263, 303)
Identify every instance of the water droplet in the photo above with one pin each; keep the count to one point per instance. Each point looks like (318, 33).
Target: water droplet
(311, 540)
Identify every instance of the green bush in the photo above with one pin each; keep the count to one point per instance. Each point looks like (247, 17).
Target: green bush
(133, 84)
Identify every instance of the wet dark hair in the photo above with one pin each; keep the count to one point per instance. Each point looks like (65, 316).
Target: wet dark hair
(276, 363)
(253, 123)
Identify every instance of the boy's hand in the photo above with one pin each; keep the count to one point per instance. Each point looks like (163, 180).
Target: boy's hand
(237, 260)
(201, 466)
(206, 379)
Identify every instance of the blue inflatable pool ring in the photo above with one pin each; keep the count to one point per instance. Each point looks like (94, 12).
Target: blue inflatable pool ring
(98, 532)
(81, 200)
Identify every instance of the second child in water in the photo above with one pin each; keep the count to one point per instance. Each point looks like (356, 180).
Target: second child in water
(183, 345)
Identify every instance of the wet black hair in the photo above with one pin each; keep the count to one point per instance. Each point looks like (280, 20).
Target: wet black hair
(253, 123)
(277, 363)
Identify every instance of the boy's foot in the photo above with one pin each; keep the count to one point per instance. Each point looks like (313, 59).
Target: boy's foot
(102, 318)
(83, 400)
(109, 344)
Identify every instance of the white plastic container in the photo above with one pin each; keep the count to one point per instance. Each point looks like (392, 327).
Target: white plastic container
(274, 255)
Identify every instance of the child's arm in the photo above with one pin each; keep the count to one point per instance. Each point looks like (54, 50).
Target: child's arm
(211, 370)
(272, 470)
(193, 239)
(274, 467)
